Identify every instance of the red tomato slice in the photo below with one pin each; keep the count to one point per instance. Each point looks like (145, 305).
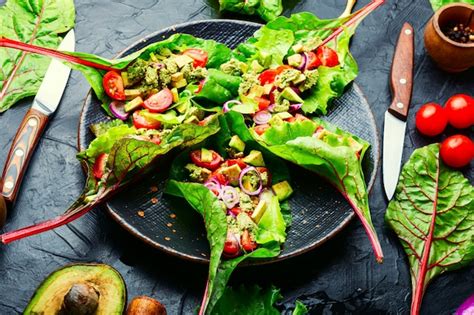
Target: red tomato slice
(327, 56)
(159, 102)
(263, 103)
(239, 162)
(260, 129)
(113, 85)
(142, 122)
(267, 76)
(312, 61)
(214, 164)
(231, 246)
(219, 177)
(99, 166)
(247, 243)
(235, 211)
(200, 56)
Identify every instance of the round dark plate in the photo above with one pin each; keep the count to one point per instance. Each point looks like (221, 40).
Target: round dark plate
(319, 211)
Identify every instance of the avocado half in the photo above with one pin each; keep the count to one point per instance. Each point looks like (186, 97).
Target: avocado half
(63, 290)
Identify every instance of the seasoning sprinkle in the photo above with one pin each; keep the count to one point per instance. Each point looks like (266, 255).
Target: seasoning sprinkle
(172, 216)
(167, 238)
(141, 213)
(154, 200)
(169, 224)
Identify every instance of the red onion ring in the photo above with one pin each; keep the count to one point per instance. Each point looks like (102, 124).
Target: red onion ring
(230, 196)
(214, 186)
(262, 117)
(118, 109)
(271, 107)
(303, 63)
(227, 104)
(241, 176)
(295, 107)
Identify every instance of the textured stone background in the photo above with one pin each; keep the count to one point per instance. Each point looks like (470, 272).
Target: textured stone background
(341, 277)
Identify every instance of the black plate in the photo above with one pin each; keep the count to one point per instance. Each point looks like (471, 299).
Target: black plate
(319, 211)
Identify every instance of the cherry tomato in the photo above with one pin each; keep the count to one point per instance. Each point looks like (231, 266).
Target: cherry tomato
(247, 243)
(159, 102)
(219, 177)
(327, 56)
(260, 129)
(200, 56)
(239, 162)
(231, 245)
(431, 119)
(235, 211)
(457, 151)
(460, 111)
(214, 164)
(140, 121)
(312, 61)
(99, 165)
(267, 76)
(113, 85)
(263, 103)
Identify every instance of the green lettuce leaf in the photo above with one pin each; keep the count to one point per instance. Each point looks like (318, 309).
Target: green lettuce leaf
(219, 87)
(436, 4)
(432, 215)
(34, 22)
(334, 154)
(266, 9)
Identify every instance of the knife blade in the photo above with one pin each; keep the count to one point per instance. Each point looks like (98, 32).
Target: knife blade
(36, 118)
(401, 82)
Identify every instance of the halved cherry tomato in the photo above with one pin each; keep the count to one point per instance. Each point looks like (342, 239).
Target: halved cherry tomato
(327, 56)
(214, 164)
(159, 102)
(235, 211)
(431, 119)
(231, 245)
(247, 243)
(200, 56)
(99, 165)
(239, 162)
(460, 111)
(457, 151)
(260, 129)
(261, 170)
(267, 76)
(312, 61)
(113, 85)
(263, 103)
(219, 177)
(140, 121)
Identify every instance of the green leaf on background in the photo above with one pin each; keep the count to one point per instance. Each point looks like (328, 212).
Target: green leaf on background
(37, 22)
(266, 9)
(436, 4)
(432, 215)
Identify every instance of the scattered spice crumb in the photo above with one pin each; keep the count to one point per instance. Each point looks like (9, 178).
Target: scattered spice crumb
(318, 226)
(141, 213)
(169, 224)
(304, 221)
(180, 237)
(203, 255)
(173, 216)
(153, 189)
(167, 238)
(154, 200)
(174, 231)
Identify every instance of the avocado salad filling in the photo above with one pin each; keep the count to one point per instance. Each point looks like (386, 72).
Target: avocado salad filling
(239, 183)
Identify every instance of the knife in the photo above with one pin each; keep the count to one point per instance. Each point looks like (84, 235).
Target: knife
(36, 118)
(401, 83)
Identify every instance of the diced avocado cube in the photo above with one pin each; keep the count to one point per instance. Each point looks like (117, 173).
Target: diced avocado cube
(133, 104)
(282, 190)
(176, 76)
(131, 94)
(257, 90)
(191, 120)
(295, 60)
(236, 143)
(179, 84)
(198, 174)
(182, 60)
(126, 81)
(256, 67)
(255, 158)
(299, 79)
(289, 94)
(259, 211)
(276, 120)
(232, 173)
(284, 115)
(206, 155)
(298, 48)
(267, 88)
(165, 52)
(174, 91)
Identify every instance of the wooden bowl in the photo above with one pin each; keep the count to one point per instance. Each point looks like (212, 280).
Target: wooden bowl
(450, 56)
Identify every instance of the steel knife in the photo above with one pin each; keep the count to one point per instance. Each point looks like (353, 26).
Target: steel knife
(36, 118)
(401, 82)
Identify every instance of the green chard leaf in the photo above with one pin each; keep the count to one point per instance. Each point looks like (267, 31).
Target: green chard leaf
(266, 9)
(330, 152)
(436, 4)
(432, 215)
(34, 22)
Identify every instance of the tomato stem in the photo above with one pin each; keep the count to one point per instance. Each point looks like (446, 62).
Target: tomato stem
(10, 43)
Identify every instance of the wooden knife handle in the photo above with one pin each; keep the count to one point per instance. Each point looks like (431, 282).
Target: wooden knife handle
(402, 73)
(22, 148)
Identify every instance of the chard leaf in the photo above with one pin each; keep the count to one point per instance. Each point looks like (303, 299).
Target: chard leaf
(266, 9)
(35, 22)
(432, 215)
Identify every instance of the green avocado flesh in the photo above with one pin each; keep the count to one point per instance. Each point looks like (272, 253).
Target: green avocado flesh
(106, 281)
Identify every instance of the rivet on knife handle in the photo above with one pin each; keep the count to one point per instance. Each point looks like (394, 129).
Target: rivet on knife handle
(20, 153)
(402, 73)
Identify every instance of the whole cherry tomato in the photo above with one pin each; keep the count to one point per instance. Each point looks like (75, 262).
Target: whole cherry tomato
(431, 119)
(457, 151)
(460, 111)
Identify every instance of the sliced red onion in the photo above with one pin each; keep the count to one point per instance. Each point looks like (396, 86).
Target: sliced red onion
(262, 117)
(295, 107)
(214, 186)
(227, 105)
(260, 184)
(230, 196)
(304, 61)
(271, 107)
(118, 109)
